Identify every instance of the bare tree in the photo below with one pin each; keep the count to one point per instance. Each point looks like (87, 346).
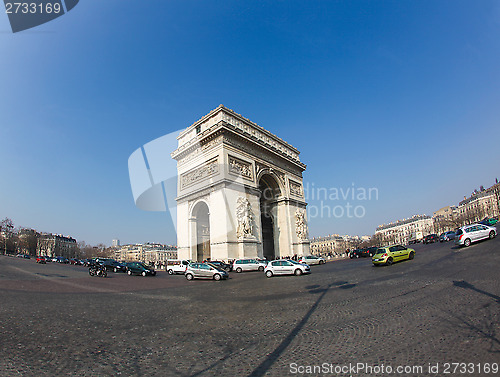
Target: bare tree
(85, 251)
(375, 240)
(7, 231)
(27, 240)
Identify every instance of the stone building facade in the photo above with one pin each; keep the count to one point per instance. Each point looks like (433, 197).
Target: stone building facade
(149, 253)
(240, 191)
(479, 205)
(334, 245)
(399, 232)
(54, 245)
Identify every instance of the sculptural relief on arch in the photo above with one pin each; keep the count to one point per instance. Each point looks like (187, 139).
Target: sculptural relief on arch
(239, 191)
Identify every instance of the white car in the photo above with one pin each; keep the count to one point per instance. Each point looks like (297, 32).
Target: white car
(263, 262)
(312, 259)
(286, 267)
(465, 235)
(176, 266)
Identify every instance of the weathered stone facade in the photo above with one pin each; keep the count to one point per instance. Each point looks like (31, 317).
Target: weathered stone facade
(239, 191)
(54, 245)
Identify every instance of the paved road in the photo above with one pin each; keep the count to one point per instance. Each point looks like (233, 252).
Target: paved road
(441, 307)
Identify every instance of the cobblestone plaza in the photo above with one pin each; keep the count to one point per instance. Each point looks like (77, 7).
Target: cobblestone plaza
(439, 308)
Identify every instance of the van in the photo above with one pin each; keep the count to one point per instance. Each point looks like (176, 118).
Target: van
(416, 237)
(175, 266)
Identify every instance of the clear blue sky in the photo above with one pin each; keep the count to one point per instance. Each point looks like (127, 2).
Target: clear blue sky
(402, 96)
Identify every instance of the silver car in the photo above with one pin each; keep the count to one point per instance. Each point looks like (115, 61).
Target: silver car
(204, 271)
(472, 233)
(447, 236)
(247, 264)
(312, 259)
(286, 267)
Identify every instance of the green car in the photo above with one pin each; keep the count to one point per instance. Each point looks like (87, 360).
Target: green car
(138, 268)
(489, 222)
(390, 254)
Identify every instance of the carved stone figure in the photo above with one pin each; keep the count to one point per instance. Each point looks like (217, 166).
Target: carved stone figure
(300, 225)
(240, 167)
(244, 216)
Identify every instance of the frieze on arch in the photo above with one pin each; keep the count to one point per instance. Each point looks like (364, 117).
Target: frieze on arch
(296, 189)
(228, 137)
(260, 153)
(240, 168)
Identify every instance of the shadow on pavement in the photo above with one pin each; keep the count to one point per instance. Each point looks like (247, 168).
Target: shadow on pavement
(273, 356)
(466, 285)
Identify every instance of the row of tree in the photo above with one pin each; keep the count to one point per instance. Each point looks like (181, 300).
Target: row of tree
(25, 241)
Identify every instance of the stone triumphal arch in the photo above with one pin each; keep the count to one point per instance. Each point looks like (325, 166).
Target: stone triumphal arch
(239, 191)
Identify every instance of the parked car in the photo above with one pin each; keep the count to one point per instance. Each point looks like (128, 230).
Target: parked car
(431, 238)
(139, 268)
(263, 262)
(240, 265)
(199, 270)
(61, 260)
(26, 256)
(356, 253)
(40, 259)
(473, 233)
(286, 267)
(390, 254)
(88, 262)
(447, 236)
(312, 259)
(176, 266)
(360, 253)
(489, 222)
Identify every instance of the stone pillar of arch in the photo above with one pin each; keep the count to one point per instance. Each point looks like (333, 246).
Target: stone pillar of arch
(251, 184)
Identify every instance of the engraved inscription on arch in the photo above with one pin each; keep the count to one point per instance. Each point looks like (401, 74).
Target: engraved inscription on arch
(204, 171)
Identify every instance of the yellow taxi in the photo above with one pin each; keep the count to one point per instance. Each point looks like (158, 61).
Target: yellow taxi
(390, 254)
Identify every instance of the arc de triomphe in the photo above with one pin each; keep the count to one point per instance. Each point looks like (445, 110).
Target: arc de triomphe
(239, 191)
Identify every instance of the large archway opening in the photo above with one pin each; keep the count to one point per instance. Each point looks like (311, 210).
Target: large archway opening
(202, 217)
(269, 192)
